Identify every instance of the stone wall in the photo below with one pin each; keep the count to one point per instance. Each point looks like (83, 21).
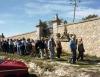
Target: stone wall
(89, 31)
(31, 35)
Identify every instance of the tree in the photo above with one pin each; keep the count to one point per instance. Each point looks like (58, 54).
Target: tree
(45, 30)
(75, 4)
(3, 35)
(89, 17)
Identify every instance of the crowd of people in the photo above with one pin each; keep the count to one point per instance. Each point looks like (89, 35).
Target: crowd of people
(37, 48)
(44, 48)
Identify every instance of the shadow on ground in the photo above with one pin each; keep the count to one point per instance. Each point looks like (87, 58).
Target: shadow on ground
(33, 75)
(89, 62)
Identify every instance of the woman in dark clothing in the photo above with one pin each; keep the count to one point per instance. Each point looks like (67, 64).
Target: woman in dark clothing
(28, 47)
(5, 46)
(37, 49)
(11, 46)
(41, 48)
(58, 48)
(80, 49)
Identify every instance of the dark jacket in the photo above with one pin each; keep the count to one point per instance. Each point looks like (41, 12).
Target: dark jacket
(81, 47)
(73, 44)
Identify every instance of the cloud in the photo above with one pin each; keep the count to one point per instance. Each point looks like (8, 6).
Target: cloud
(37, 8)
(52, 1)
(2, 22)
(85, 2)
(85, 11)
(6, 15)
(62, 7)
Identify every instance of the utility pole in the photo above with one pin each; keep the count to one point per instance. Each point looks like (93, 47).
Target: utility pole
(74, 10)
(75, 4)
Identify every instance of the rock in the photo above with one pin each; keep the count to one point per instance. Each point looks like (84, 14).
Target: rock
(62, 70)
(98, 63)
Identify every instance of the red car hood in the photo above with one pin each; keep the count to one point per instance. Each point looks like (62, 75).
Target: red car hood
(11, 64)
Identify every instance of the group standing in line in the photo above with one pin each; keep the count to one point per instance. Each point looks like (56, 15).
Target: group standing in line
(44, 48)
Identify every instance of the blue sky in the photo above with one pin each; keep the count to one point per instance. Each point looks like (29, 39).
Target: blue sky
(21, 16)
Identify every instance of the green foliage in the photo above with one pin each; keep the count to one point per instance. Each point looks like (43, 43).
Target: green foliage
(3, 35)
(90, 16)
(44, 24)
(45, 30)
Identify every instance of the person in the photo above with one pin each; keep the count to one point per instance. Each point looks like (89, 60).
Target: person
(23, 46)
(7, 45)
(41, 48)
(15, 45)
(73, 47)
(4, 46)
(37, 48)
(1, 45)
(46, 48)
(58, 48)
(33, 53)
(81, 49)
(18, 43)
(28, 47)
(51, 47)
(11, 46)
